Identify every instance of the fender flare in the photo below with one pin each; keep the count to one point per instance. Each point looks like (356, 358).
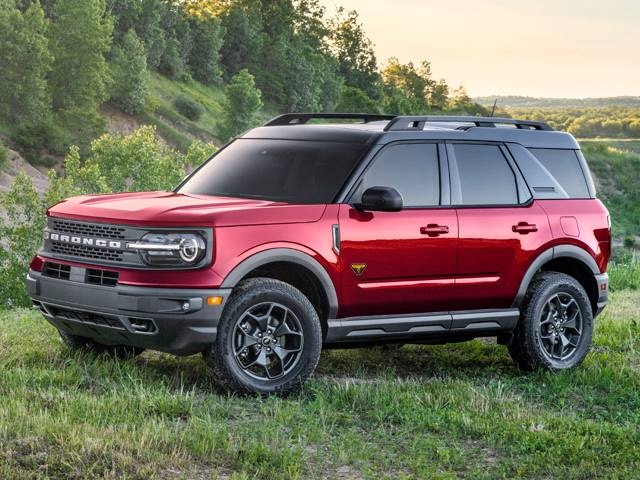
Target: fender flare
(285, 255)
(559, 251)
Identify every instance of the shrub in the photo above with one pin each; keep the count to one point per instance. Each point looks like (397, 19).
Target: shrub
(243, 102)
(115, 163)
(188, 108)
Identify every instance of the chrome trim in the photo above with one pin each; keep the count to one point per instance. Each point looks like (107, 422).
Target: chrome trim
(153, 246)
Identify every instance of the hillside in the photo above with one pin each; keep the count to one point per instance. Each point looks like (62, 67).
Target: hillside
(507, 101)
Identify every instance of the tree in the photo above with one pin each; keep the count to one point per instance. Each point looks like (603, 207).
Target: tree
(129, 72)
(354, 51)
(24, 63)
(439, 95)
(244, 100)
(354, 100)
(242, 44)
(80, 37)
(204, 58)
(405, 87)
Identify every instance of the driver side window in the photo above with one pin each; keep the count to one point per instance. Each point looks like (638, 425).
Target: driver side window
(411, 168)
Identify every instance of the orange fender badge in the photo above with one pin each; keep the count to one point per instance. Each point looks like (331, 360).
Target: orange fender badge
(358, 268)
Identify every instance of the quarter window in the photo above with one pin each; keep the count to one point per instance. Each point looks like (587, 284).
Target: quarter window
(412, 169)
(565, 167)
(485, 175)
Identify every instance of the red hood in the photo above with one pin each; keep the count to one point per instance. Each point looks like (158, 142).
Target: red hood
(176, 209)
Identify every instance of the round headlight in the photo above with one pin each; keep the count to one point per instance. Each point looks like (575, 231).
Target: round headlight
(189, 249)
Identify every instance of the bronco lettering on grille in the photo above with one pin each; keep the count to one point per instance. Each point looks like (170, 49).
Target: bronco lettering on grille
(78, 240)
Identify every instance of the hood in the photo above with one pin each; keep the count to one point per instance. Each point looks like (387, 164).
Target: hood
(168, 209)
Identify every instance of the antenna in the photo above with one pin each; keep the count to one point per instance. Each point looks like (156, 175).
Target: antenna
(493, 110)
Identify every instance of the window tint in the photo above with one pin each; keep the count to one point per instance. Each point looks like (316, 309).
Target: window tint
(412, 169)
(281, 170)
(565, 167)
(485, 176)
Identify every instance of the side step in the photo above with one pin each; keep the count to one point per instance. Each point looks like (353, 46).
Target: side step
(466, 323)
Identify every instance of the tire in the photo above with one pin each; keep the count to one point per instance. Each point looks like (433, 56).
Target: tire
(249, 356)
(87, 345)
(555, 310)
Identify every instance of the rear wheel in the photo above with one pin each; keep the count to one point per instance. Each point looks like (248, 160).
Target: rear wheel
(88, 345)
(556, 324)
(269, 339)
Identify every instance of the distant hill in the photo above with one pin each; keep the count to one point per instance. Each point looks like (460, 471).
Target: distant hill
(516, 101)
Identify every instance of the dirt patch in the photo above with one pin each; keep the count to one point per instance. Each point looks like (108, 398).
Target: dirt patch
(17, 164)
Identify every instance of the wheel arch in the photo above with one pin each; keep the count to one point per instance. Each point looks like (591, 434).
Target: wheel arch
(568, 259)
(269, 259)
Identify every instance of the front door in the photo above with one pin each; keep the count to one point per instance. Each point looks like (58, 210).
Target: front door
(400, 262)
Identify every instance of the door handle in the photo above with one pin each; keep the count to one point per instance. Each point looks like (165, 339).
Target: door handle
(434, 230)
(523, 228)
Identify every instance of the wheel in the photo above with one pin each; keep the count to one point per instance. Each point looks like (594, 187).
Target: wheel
(269, 339)
(556, 324)
(84, 344)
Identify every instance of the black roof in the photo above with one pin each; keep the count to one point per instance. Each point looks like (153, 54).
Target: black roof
(386, 128)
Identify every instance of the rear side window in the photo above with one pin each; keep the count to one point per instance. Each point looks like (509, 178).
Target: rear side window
(565, 167)
(411, 168)
(485, 175)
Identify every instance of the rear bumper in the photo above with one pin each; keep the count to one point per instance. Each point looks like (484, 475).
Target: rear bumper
(602, 281)
(153, 318)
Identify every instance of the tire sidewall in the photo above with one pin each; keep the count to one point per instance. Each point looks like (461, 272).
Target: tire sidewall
(312, 341)
(533, 325)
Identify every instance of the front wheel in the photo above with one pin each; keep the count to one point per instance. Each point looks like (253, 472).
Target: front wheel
(556, 324)
(269, 339)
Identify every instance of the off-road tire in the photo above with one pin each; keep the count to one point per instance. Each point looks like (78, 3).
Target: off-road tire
(527, 347)
(220, 358)
(87, 345)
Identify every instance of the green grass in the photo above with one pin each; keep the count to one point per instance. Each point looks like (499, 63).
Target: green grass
(452, 411)
(617, 174)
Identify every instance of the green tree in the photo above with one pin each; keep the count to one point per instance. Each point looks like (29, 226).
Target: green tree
(354, 100)
(204, 57)
(80, 36)
(244, 100)
(129, 72)
(405, 87)
(243, 39)
(439, 95)
(354, 51)
(24, 63)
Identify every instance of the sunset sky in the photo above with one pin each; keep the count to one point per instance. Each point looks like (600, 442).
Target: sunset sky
(561, 48)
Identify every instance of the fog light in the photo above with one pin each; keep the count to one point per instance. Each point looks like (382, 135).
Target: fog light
(186, 306)
(214, 300)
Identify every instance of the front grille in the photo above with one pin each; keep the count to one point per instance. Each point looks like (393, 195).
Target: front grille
(102, 277)
(86, 251)
(56, 270)
(85, 317)
(89, 229)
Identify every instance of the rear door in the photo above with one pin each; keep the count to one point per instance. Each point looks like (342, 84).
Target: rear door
(501, 229)
(400, 262)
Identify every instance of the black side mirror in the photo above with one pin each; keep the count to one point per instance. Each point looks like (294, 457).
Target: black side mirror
(380, 199)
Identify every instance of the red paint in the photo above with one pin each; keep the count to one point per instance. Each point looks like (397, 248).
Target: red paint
(418, 260)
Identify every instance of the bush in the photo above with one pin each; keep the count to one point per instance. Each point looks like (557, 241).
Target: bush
(187, 107)
(115, 163)
(243, 102)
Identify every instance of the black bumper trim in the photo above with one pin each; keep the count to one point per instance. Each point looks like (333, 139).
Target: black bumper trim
(97, 312)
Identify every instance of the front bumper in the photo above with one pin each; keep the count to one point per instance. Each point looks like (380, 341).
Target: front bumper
(153, 318)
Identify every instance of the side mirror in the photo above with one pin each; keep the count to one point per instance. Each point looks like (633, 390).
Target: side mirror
(380, 199)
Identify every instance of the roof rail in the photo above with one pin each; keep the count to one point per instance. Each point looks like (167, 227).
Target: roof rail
(302, 118)
(418, 122)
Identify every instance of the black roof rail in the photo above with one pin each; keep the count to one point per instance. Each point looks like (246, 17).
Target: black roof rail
(418, 122)
(302, 118)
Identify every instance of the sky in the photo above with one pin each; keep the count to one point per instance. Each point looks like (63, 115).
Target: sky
(542, 48)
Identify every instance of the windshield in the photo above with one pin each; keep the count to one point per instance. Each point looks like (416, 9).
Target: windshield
(292, 171)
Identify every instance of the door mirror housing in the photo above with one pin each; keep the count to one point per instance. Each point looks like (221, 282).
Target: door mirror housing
(380, 199)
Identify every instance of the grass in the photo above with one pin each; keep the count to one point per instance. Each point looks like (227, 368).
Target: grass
(452, 411)
(617, 172)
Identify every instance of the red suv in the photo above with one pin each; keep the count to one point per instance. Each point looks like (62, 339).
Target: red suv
(363, 229)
